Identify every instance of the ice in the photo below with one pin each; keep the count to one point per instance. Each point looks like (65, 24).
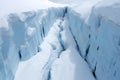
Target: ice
(81, 40)
(21, 35)
(105, 40)
(70, 65)
(31, 31)
(56, 63)
(32, 67)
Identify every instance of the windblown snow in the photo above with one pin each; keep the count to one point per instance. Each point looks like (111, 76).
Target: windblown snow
(59, 40)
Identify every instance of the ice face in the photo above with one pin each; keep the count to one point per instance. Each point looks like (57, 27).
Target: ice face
(21, 36)
(96, 41)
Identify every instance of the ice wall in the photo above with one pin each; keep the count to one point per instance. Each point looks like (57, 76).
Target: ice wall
(98, 40)
(20, 37)
(104, 51)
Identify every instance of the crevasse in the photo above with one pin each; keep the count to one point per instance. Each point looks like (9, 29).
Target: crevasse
(19, 40)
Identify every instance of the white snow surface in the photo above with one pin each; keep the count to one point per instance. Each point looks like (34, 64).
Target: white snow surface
(105, 8)
(17, 6)
(31, 69)
(83, 7)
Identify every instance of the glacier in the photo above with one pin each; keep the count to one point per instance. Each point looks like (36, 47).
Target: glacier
(61, 53)
(75, 42)
(21, 38)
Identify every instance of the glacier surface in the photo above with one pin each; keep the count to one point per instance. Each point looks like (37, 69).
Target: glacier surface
(76, 43)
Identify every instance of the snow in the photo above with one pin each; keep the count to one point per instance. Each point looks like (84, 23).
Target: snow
(31, 31)
(83, 7)
(4, 24)
(106, 41)
(13, 6)
(81, 41)
(70, 65)
(106, 8)
(109, 8)
(17, 43)
(31, 69)
(47, 65)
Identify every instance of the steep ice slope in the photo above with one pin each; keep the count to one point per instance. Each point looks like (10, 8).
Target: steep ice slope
(98, 42)
(64, 61)
(104, 50)
(89, 37)
(73, 65)
(96, 36)
(20, 37)
(98, 39)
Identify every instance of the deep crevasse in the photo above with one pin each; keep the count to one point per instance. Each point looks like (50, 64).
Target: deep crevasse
(21, 35)
(62, 64)
(91, 39)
